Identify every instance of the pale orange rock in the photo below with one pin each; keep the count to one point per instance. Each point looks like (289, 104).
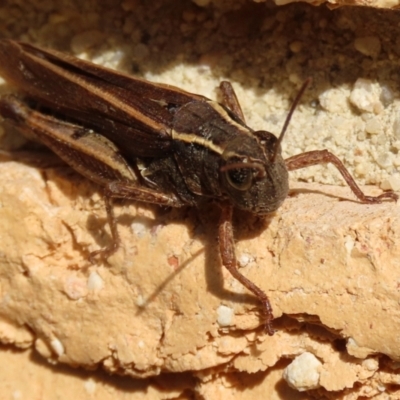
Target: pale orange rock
(163, 302)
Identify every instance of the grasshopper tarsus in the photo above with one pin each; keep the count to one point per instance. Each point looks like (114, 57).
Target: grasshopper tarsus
(268, 317)
(98, 256)
(106, 252)
(388, 196)
(103, 254)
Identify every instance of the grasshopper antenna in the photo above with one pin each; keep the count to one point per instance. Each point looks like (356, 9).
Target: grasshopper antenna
(289, 116)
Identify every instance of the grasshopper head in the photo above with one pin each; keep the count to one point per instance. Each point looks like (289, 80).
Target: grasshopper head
(253, 174)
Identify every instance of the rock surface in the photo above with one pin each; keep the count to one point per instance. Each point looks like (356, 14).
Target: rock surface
(330, 267)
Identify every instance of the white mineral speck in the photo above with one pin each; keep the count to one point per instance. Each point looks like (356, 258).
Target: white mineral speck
(303, 372)
(57, 346)
(370, 364)
(351, 342)
(361, 168)
(297, 272)
(95, 282)
(140, 301)
(365, 94)
(139, 229)
(225, 316)
(348, 244)
(334, 100)
(352, 346)
(244, 260)
(392, 183)
(90, 386)
(109, 59)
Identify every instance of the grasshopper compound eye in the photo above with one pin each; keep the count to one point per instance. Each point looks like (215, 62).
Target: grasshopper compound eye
(240, 178)
(241, 175)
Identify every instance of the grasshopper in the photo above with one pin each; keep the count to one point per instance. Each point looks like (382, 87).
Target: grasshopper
(154, 143)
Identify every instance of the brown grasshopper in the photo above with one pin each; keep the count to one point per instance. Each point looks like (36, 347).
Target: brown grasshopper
(154, 143)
